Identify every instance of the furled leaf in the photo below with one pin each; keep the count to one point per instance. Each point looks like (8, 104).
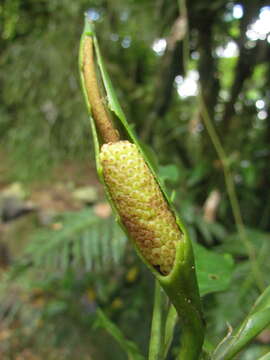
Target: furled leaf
(257, 320)
(265, 357)
(128, 346)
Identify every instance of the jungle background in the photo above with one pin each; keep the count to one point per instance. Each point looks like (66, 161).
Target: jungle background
(193, 80)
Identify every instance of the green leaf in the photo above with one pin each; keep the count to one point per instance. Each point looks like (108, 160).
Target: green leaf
(82, 238)
(256, 321)
(263, 301)
(128, 346)
(198, 173)
(214, 271)
(265, 357)
(233, 245)
(169, 172)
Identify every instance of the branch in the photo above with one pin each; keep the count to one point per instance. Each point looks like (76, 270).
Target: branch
(247, 60)
(207, 63)
(172, 64)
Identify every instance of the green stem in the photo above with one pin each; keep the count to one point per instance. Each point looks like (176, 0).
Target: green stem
(169, 330)
(156, 336)
(232, 194)
(182, 288)
(187, 349)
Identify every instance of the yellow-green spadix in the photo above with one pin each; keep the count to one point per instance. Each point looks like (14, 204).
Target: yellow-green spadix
(140, 203)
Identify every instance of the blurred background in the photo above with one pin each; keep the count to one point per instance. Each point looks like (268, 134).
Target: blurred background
(193, 80)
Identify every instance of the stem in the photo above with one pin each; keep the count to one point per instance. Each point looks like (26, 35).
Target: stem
(182, 288)
(169, 330)
(187, 349)
(155, 336)
(232, 193)
(265, 357)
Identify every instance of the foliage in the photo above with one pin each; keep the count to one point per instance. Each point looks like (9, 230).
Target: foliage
(63, 278)
(81, 237)
(78, 244)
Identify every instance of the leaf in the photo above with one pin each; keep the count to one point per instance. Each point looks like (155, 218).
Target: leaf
(263, 301)
(257, 320)
(198, 173)
(214, 271)
(80, 238)
(128, 346)
(233, 245)
(169, 172)
(265, 357)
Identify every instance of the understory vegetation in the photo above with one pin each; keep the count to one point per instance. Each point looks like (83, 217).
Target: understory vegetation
(193, 80)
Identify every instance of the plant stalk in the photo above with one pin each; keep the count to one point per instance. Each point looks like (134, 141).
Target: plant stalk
(156, 327)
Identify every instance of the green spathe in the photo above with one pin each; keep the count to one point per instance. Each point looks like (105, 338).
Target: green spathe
(181, 283)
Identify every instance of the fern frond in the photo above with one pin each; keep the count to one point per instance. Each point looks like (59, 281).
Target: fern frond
(81, 239)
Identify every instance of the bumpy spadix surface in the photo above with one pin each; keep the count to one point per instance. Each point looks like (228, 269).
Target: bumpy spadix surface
(140, 203)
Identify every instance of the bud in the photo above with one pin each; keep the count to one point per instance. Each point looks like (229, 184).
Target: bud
(140, 203)
(98, 110)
